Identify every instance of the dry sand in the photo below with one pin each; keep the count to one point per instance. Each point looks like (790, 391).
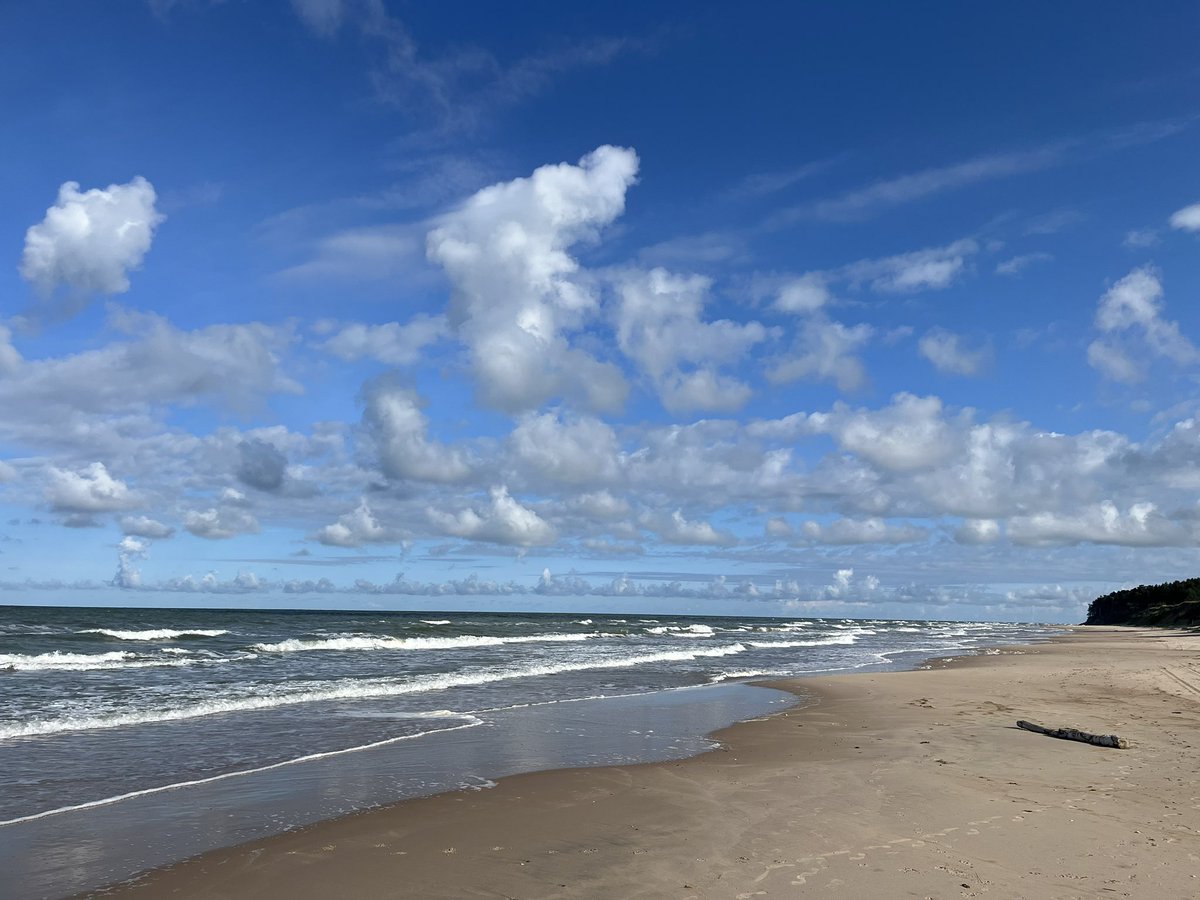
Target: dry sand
(905, 784)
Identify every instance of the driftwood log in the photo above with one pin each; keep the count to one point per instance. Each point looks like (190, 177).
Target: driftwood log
(1074, 734)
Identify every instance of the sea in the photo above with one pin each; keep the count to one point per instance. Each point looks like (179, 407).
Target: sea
(130, 739)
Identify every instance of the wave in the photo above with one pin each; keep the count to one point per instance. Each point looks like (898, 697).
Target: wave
(471, 722)
(155, 634)
(82, 662)
(819, 642)
(363, 642)
(683, 630)
(436, 621)
(273, 696)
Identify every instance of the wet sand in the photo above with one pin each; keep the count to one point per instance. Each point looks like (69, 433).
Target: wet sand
(900, 784)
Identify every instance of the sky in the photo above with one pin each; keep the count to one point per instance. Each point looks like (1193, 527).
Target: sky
(798, 309)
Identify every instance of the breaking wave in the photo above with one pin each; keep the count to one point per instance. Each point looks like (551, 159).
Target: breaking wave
(269, 696)
(363, 642)
(156, 634)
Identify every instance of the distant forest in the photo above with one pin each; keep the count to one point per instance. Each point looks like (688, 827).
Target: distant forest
(1174, 605)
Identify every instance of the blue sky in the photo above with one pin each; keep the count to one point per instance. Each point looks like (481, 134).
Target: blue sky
(816, 309)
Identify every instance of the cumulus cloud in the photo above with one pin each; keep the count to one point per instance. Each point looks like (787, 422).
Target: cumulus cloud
(825, 350)
(518, 294)
(1187, 219)
(661, 327)
(399, 428)
(390, 343)
(85, 396)
(502, 521)
(949, 353)
(1129, 316)
(567, 450)
(355, 528)
(221, 522)
(10, 357)
(90, 241)
(1103, 523)
(145, 527)
(675, 529)
(804, 294)
(908, 435)
(89, 490)
(129, 550)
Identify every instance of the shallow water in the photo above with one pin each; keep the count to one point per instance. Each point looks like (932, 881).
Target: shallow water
(238, 711)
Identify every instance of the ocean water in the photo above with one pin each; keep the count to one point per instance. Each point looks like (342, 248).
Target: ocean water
(104, 712)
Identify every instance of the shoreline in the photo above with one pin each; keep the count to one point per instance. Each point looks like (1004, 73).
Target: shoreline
(868, 789)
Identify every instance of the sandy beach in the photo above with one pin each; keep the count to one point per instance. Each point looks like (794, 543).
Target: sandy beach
(902, 784)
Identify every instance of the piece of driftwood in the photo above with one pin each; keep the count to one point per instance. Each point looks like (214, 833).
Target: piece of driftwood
(1074, 734)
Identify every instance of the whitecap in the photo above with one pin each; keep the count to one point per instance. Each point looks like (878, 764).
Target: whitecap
(156, 634)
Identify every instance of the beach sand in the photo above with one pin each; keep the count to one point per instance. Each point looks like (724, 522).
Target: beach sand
(900, 784)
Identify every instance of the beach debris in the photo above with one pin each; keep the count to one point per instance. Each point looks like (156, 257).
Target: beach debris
(1074, 734)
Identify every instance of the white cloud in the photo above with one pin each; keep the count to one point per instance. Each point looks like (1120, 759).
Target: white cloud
(1018, 264)
(390, 343)
(660, 326)
(778, 527)
(872, 530)
(1130, 315)
(128, 551)
(394, 419)
(7, 472)
(933, 268)
(824, 350)
(1140, 238)
(84, 398)
(89, 490)
(89, 241)
(1104, 523)
(220, 523)
(502, 521)
(355, 528)
(906, 436)
(10, 358)
(145, 527)
(567, 450)
(678, 530)
(949, 354)
(1187, 219)
(1113, 363)
(518, 294)
(804, 294)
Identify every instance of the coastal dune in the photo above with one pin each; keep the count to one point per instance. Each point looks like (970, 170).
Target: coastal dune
(899, 784)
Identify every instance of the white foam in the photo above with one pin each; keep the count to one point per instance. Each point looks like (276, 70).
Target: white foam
(436, 621)
(155, 634)
(274, 695)
(683, 630)
(81, 662)
(471, 722)
(819, 642)
(365, 642)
